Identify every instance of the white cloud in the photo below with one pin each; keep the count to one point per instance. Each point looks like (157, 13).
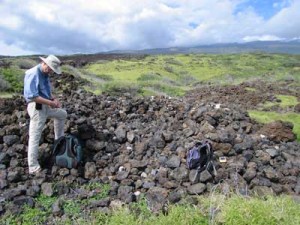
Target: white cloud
(13, 50)
(262, 38)
(92, 26)
(9, 20)
(282, 3)
(286, 23)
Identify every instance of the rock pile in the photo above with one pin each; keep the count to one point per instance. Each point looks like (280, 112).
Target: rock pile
(139, 145)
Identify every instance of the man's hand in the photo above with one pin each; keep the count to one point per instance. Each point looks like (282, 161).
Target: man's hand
(55, 103)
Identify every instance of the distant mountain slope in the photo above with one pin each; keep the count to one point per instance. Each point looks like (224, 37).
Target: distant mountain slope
(289, 47)
(285, 47)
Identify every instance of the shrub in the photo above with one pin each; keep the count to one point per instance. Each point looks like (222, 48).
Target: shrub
(118, 89)
(169, 69)
(168, 81)
(5, 63)
(105, 77)
(173, 61)
(291, 64)
(4, 85)
(14, 77)
(163, 88)
(185, 78)
(149, 77)
(72, 70)
(25, 63)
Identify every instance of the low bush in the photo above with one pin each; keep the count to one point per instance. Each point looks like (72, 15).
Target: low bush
(25, 63)
(4, 85)
(163, 88)
(185, 78)
(169, 69)
(105, 77)
(118, 89)
(14, 77)
(149, 77)
(72, 70)
(173, 61)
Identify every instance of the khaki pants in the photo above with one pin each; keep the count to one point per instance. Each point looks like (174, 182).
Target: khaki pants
(37, 121)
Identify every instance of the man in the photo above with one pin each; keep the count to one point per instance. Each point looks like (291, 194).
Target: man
(42, 105)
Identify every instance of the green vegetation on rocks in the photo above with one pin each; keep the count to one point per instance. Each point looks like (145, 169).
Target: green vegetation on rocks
(284, 101)
(215, 209)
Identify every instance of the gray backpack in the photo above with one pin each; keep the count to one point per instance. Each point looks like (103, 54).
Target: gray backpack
(67, 152)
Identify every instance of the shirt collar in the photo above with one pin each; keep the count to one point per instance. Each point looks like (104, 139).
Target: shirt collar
(42, 73)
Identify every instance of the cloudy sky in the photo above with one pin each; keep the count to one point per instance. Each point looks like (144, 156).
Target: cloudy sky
(89, 26)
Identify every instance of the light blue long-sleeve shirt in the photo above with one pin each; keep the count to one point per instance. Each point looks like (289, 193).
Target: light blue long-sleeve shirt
(36, 83)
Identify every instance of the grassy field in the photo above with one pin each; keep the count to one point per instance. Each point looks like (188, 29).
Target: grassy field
(166, 74)
(182, 72)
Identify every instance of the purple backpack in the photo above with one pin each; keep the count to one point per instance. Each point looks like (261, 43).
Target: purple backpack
(200, 156)
(193, 158)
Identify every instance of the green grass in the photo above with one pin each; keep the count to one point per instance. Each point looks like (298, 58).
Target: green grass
(73, 208)
(214, 209)
(177, 215)
(250, 89)
(37, 215)
(272, 211)
(6, 95)
(101, 190)
(184, 71)
(45, 201)
(267, 117)
(181, 72)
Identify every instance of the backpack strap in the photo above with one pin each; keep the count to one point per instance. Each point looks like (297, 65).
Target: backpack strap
(210, 158)
(56, 143)
(209, 161)
(75, 149)
(69, 146)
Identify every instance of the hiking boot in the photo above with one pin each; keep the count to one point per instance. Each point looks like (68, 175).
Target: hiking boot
(36, 171)
(39, 173)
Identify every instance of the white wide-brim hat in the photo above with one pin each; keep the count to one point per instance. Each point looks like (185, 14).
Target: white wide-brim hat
(53, 62)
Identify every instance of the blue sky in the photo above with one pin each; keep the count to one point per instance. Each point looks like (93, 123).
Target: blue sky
(81, 26)
(265, 8)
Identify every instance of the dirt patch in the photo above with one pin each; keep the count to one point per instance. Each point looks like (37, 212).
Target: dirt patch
(248, 95)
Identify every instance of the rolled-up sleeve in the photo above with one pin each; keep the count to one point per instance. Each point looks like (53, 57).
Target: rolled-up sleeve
(31, 82)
